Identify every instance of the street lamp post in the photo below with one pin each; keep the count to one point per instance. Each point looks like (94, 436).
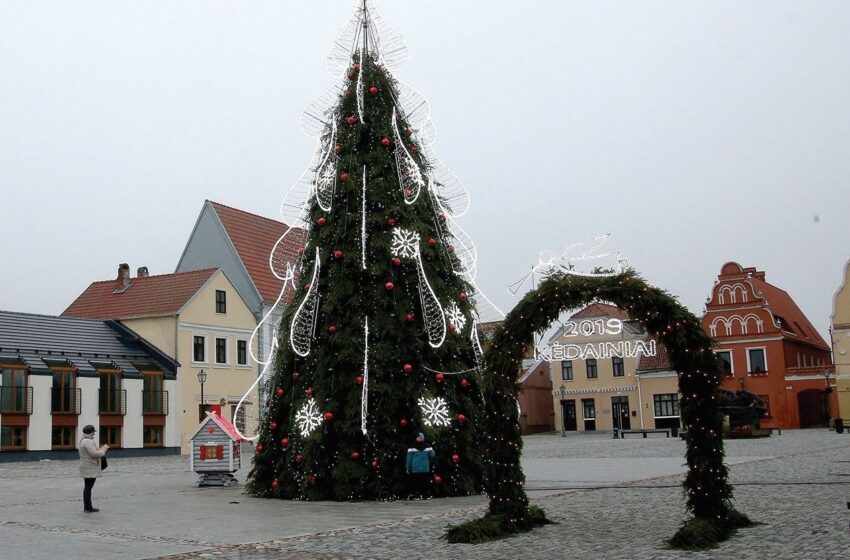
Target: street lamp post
(202, 378)
(826, 392)
(563, 390)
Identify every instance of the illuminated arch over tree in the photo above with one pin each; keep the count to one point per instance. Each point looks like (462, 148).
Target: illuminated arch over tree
(708, 495)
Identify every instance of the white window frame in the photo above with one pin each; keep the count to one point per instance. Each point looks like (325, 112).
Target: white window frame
(206, 349)
(226, 351)
(731, 361)
(749, 365)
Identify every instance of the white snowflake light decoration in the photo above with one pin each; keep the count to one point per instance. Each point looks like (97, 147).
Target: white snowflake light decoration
(405, 243)
(435, 411)
(308, 418)
(456, 317)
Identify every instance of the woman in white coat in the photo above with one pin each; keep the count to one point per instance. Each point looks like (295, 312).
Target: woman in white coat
(90, 464)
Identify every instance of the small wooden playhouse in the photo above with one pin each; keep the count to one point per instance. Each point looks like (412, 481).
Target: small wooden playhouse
(215, 451)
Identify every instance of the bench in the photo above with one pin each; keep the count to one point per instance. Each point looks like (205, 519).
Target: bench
(645, 432)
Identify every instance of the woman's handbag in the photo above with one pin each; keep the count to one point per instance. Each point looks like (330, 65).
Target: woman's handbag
(103, 463)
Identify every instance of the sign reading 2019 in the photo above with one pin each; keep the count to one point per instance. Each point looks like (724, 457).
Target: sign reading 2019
(596, 350)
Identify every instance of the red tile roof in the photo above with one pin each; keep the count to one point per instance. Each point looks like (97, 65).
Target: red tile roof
(149, 296)
(660, 361)
(254, 237)
(601, 310)
(797, 325)
(223, 423)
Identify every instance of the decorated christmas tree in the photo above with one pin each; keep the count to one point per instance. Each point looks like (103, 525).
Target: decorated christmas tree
(379, 342)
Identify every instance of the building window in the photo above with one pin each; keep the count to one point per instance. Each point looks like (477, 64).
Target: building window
(221, 350)
(153, 436)
(64, 396)
(110, 435)
(220, 301)
(199, 350)
(590, 363)
(726, 361)
(589, 407)
(13, 438)
(242, 352)
(153, 397)
(619, 368)
(14, 391)
(666, 405)
(63, 437)
(765, 400)
(756, 360)
(111, 395)
(567, 370)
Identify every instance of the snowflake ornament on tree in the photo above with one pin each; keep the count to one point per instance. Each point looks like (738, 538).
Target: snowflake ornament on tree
(456, 317)
(435, 411)
(308, 418)
(405, 243)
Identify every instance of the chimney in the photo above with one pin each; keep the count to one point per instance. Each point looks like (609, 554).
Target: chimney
(124, 275)
(142, 272)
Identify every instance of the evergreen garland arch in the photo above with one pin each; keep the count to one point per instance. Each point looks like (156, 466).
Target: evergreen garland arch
(708, 494)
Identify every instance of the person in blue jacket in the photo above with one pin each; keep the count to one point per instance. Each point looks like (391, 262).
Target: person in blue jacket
(419, 459)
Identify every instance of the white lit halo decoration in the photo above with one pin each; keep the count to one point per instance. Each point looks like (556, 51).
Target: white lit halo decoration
(405, 243)
(548, 263)
(325, 183)
(455, 317)
(410, 178)
(304, 321)
(308, 417)
(435, 411)
(432, 311)
(364, 397)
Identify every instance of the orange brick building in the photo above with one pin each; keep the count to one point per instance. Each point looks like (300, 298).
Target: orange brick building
(770, 348)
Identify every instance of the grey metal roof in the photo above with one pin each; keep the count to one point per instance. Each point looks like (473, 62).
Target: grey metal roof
(36, 338)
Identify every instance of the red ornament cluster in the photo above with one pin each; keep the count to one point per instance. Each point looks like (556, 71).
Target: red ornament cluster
(439, 377)
(352, 120)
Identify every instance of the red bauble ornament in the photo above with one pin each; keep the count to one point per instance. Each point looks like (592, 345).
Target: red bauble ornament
(338, 148)
(311, 479)
(351, 120)
(344, 177)
(284, 442)
(402, 422)
(299, 458)
(452, 328)
(356, 66)
(451, 248)
(409, 317)
(385, 141)
(456, 458)
(338, 254)
(275, 484)
(389, 286)
(432, 242)
(438, 479)
(347, 93)
(354, 455)
(273, 425)
(307, 286)
(439, 377)
(409, 132)
(373, 90)
(308, 391)
(374, 464)
(279, 392)
(359, 380)
(464, 383)
(442, 217)
(396, 262)
(407, 368)
(413, 149)
(296, 375)
(329, 416)
(462, 296)
(331, 329)
(461, 418)
(259, 448)
(321, 221)
(391, 222)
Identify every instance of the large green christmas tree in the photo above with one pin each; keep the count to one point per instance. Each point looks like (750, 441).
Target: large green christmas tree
(379, 342)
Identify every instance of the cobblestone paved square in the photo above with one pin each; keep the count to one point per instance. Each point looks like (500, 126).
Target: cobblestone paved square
(610, 498)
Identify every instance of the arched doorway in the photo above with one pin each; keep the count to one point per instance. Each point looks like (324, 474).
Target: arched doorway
(708, 494)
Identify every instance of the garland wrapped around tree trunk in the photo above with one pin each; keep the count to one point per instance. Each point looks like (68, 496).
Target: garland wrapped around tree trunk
(707, 491)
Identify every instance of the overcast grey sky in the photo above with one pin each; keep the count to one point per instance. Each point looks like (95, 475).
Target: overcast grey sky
(696, 132)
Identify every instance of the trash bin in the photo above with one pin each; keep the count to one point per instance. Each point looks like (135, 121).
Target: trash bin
(616, 432)
(674, 431)
(839, 425)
